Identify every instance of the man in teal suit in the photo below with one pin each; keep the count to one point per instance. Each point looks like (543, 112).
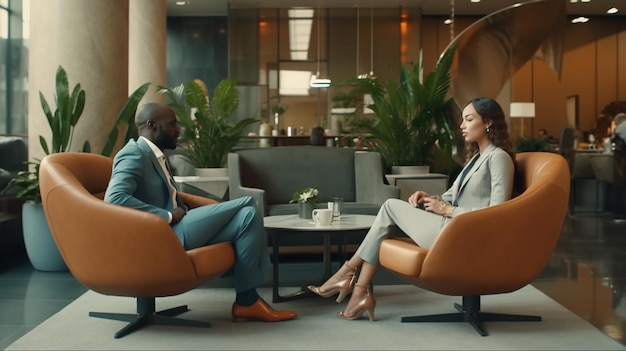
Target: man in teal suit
(141, 180)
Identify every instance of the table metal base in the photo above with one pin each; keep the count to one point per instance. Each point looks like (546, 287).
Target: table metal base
(275, 237)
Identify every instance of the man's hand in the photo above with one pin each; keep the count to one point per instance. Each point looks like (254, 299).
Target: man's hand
(178, 214)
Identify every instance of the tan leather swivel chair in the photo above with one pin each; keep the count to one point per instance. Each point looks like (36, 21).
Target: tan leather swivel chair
(494, 250)
(115, 250)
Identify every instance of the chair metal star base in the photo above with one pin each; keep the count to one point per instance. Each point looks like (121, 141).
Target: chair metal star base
(470, 312)
(146, 315)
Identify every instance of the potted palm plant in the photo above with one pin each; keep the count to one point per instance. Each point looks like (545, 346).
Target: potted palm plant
(413, 123)
(207, 129)
(40, 246)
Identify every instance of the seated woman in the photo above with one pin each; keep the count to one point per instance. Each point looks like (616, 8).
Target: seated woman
(486, 180)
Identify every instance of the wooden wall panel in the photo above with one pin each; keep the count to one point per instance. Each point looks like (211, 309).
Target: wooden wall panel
(578, 78)
(606, 71)
(549, 97)
(621, 65)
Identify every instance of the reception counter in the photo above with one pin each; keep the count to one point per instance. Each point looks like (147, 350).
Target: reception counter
(598, 180)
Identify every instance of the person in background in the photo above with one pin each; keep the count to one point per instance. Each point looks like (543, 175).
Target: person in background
(620, 126)
(486, 180)
(141, 180)
(543, 134)
(551, 142)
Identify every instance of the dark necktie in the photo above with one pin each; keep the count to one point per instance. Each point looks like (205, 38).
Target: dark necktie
(171, 182)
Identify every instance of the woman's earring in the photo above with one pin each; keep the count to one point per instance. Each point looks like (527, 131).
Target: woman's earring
(488, 130)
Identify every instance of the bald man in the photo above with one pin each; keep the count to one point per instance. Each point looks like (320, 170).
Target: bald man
(141, 180)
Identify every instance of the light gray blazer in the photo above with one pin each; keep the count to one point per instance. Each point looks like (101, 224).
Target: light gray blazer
(488, 182)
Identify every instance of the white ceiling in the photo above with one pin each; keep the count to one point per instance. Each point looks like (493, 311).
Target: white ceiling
(429, 7)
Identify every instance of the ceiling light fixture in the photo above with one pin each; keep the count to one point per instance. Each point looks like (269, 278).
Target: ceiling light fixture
(612, 10)
(451, 20)
(181, 3)
(316, 81)
(580, 19)
(371, 74)
(357, 40)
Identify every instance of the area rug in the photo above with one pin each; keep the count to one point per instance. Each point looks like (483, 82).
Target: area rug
(318, 328)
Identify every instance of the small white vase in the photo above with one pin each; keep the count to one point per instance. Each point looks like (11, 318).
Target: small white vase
(305, 210)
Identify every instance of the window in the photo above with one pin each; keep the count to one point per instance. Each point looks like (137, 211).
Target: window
(13, 66)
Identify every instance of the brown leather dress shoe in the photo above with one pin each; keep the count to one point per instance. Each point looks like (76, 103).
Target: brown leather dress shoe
(260, 311)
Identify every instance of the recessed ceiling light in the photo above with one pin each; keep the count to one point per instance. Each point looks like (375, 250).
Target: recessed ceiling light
(448, 21)
(573, 1)
(580, 19)
(585, 0)
(474, 0)
(181, 3)
(612, 10)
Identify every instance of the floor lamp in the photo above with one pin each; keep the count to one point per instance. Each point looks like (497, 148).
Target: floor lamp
(522, 110)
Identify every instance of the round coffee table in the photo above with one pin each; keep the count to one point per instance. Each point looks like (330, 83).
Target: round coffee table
(283, 226)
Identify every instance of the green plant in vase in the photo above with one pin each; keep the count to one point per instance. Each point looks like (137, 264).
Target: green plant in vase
(207, 128)
(69, 108)
(414, 120)
(306, 200)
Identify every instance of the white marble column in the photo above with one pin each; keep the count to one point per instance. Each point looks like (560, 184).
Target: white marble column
(147, 28)
(89, 38)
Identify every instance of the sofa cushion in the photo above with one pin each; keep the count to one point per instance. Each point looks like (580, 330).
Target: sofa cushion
(282, 171)
(13, 154)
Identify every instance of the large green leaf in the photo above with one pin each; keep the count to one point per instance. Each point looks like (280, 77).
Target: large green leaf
(125, 117)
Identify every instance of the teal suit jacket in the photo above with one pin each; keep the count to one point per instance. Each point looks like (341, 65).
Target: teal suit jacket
(138, 181)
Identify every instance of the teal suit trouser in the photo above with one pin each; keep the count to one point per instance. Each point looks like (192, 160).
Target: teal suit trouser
(236, 221)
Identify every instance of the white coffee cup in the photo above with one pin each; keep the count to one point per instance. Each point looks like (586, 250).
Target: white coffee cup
(322, 217)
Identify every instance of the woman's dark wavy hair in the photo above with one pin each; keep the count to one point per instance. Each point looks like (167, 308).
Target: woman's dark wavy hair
(490, 110)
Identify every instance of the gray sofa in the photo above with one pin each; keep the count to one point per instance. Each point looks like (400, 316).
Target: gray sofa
(272, 175)
(13, 157)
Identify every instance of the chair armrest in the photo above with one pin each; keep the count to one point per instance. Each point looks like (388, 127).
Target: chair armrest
(212, 260)
(368, 175)
(194, 190)
(193, 201)
(236, 190)
(402, 256)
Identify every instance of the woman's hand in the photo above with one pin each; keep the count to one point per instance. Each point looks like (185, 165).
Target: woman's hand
(436, 204)
(418, 198)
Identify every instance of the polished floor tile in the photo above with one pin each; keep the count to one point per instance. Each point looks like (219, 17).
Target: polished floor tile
(587, 275)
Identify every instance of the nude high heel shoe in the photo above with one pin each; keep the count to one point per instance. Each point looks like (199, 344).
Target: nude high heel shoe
(368, 303)
(343, 287)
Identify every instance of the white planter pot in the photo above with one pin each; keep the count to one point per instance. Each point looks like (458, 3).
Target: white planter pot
(212, 172)
(40, 246)
(410, 169)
